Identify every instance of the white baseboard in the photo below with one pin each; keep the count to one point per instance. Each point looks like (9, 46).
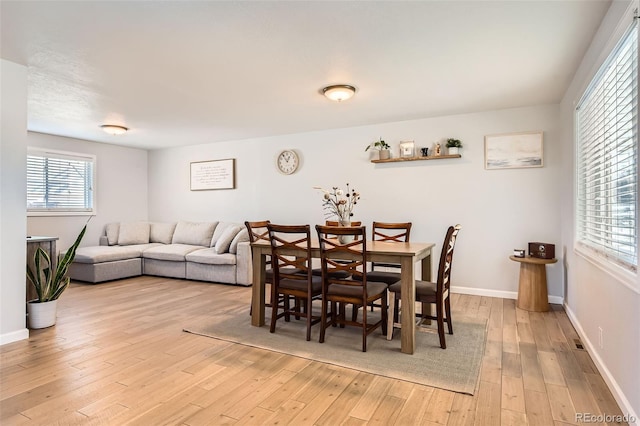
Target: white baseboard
(499, 293)
(14, 336)
(620, 397)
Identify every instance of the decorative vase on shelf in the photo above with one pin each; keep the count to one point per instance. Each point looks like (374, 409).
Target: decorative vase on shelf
(345, 239)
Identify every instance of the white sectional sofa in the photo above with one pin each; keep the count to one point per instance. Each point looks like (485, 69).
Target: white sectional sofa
(204, 251)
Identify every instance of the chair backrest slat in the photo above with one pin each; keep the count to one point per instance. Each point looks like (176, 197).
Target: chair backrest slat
(355, 251)
(446, 258)
(397, 232)
(284, 239)
(336, 223)
(257, 230)
(393, 232)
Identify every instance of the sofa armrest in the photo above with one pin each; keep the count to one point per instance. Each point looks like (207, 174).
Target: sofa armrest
(244, 265)
(104, 241)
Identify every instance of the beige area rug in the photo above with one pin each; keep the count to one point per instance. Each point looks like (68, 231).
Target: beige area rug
(456, 368)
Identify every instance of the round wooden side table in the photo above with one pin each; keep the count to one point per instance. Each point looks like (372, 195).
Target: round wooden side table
(532, 290)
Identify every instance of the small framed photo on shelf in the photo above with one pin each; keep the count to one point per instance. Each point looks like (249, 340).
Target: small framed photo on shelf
(407, 149)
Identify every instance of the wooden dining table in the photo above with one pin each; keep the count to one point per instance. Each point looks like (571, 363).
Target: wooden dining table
(405, 254)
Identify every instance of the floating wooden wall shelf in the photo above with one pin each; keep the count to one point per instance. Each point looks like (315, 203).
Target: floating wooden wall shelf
(430, 157)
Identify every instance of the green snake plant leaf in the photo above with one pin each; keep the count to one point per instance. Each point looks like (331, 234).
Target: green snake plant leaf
(39, 278)
(50, 285)
(63, 264)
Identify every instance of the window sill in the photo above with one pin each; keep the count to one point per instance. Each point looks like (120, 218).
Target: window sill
(624, 276)
(53, 213)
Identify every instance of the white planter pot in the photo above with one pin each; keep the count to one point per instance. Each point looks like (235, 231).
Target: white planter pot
(385, 154)
(42, 315)
(454, 150)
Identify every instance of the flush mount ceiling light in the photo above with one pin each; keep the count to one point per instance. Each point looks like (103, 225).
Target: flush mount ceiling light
(339, 92)
(114, 129)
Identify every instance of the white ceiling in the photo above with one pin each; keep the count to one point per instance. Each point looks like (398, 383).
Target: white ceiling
(192, 72)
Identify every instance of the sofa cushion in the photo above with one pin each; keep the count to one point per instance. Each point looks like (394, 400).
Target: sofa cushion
(194, 233)
(133, 233)
(100, 254)
(242, 236)
(111, 230)
(224, 242)
(161, 232)
(174, 252)
(210, 257)
(222, 226)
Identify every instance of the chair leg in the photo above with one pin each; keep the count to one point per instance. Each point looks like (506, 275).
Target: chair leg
(354, 313)
(391, 314)
(287, 308)
(274, 317)
(364, 328)
(440, 319)
(334, 312)
(296, 307)
(384, 314)
(447, 309)
(397, 306)
(308, 312)
(342, 314)
(323, 319)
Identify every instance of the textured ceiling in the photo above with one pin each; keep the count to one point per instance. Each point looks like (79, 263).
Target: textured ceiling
(191, 72)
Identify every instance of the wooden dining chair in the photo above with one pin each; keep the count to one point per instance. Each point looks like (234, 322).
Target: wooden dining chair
(338, 274)
(292, 276)
(392, 232)
(343, 291)
(430, 293)
(258, 232)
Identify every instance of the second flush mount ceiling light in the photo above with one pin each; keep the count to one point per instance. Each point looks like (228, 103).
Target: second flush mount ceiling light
(339, 92)
(114, 129)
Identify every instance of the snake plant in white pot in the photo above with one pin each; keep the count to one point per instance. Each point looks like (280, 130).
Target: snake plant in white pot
(49, 284)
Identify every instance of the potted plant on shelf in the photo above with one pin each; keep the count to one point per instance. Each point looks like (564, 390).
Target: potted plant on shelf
(382, 147)
(49, 284)
(453, 146)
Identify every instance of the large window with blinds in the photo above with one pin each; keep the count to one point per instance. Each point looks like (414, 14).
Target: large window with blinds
(59, 182)
(607, 158)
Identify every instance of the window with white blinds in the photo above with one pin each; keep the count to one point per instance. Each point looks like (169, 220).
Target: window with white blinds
(59, 182)
(607, 145)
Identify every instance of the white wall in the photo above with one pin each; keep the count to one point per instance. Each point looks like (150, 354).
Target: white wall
(595, 298)
(499, 209)
(13, 199)
(121, 189)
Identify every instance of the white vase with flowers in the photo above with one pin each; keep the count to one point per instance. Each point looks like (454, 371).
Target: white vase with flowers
(339, 204)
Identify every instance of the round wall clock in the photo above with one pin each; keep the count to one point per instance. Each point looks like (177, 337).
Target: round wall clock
(288, 162)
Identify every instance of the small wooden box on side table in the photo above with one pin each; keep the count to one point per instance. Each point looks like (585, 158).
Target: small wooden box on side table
(532, 290)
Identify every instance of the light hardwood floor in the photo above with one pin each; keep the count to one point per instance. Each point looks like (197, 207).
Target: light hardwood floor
(118, 355)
